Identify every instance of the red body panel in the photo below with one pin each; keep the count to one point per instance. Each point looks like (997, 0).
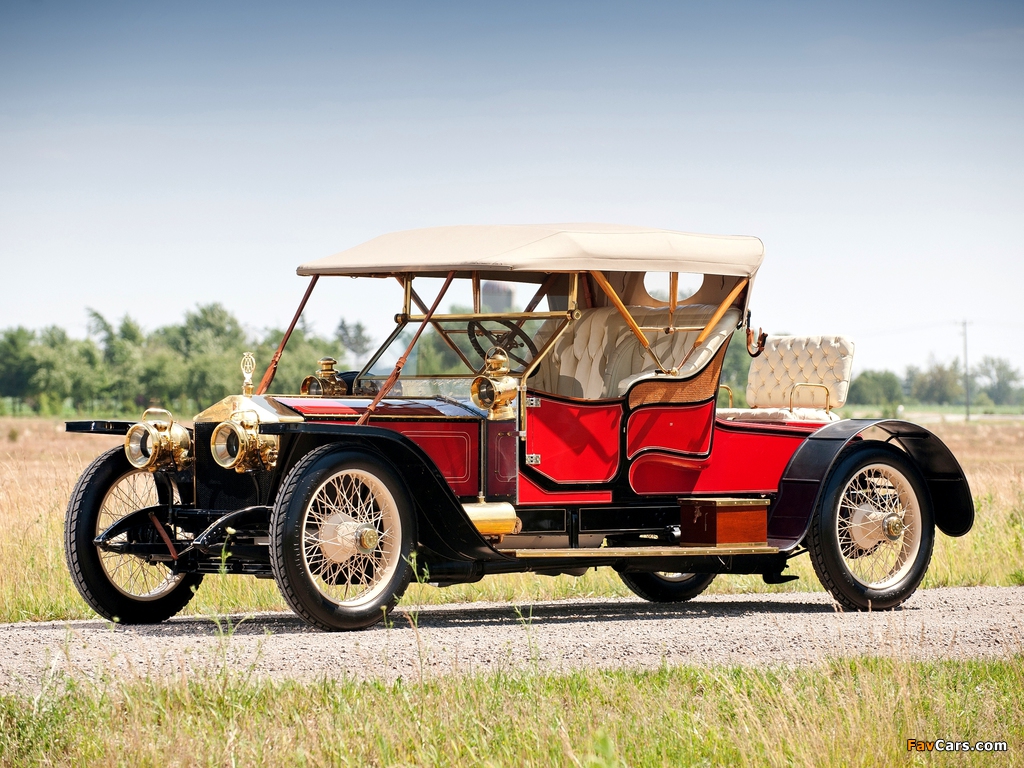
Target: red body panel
(577, 442)
(678, 428)
(502, 457)
(531, 494)
(744, 459)
(454, 446)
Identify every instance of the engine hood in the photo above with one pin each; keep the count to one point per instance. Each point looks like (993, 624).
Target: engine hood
(268, 411)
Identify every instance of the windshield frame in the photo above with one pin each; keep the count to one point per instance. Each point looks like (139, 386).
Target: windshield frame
(407, 318)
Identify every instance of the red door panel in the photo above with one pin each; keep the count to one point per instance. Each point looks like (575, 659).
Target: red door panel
(576, 442)
(741, 462)
(529, 493)
(677, 428)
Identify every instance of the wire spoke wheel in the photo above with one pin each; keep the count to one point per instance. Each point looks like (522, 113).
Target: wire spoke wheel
(872, 533)
(130, 575)
(349, 542)
(342, 538)
(121, 587)
(878, 525)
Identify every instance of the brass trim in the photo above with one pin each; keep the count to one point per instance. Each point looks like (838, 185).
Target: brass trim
(719, 313)
(494, 518)
(828, 394)
(728, 389)
(492, 316)
(724, 501)
(612, 552)
(528, 371)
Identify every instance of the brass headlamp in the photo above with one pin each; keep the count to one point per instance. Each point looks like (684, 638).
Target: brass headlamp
(327, 382)
(158, 442)
(495, 390)
(237, 444)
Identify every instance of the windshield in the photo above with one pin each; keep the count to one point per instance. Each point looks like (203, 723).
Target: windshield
(473, 317)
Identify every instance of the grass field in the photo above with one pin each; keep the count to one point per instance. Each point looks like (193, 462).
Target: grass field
(39, 464)
(848, 713)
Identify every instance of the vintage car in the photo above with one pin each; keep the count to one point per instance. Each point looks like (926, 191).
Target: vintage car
(575, 430)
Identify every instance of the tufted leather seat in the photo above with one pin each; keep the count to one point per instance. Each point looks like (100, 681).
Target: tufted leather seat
(790, 360)
(599, 357)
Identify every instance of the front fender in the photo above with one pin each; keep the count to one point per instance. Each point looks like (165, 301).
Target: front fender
(444, 526)
(804, 478)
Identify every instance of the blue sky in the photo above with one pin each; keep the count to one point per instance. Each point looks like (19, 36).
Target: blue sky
(155, 158)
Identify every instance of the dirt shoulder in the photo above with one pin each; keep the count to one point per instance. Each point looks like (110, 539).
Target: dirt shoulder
(781, 629)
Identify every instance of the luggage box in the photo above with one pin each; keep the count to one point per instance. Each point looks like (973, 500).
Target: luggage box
(715, 521)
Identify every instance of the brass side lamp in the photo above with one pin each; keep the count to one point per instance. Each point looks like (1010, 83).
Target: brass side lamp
(494, 390)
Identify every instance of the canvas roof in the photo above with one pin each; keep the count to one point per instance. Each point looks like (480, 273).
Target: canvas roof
(545, 248)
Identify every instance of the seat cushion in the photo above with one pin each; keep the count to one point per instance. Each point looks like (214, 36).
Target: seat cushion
(598, 356)
(790, 360)
(776, 414)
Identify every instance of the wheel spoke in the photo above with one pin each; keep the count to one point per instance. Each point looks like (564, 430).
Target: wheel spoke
(875, 497)
(351, 508)
(131, 575)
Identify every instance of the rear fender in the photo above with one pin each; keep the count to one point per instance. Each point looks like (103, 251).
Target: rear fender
(803, 481)
(444, 526)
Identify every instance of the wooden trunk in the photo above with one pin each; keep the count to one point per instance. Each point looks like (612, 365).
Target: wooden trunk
(712, 522)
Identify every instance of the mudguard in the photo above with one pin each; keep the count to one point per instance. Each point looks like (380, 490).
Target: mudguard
(444, 526)
(809, 468)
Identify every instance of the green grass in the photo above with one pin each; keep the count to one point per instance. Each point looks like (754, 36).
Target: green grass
(854, 712)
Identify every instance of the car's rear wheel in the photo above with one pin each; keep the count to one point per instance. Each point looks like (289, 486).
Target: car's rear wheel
(120, 587)
(341, 540)
(871, 537)
(666, 587)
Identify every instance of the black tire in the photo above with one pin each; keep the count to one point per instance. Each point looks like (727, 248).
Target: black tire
(84, 560)
(847, 540)
(659, 588)
(311, 575)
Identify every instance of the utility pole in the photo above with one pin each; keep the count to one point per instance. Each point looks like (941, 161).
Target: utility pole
(967, 378)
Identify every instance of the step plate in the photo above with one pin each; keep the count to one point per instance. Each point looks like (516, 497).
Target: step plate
(604, 552)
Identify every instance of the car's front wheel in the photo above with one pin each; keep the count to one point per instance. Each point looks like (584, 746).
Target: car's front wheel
(342, 536)
(871, 537)
(667, 587)
(120, 587)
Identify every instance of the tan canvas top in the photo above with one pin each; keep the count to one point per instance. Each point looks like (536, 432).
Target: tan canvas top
(545, 248)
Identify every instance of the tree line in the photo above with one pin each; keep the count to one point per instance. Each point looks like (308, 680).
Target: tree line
(119, 368)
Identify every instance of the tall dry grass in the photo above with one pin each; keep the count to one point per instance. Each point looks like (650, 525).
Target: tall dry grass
(39, 464)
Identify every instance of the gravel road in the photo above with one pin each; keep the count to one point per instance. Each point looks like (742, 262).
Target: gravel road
(789, 629)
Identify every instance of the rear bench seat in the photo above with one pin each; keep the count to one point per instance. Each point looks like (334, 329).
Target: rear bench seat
(599, 356)
(781, 375)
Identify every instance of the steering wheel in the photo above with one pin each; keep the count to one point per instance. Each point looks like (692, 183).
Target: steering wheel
(511, 340)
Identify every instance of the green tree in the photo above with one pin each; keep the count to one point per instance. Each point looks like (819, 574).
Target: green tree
(876, 388)
(938, 384)
(735, 369)
(18, 362)
(999, 380)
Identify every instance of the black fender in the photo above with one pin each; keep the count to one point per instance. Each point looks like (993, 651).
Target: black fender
(444, 527)
(804, 479)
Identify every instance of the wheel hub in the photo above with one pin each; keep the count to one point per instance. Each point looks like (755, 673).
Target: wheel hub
(341, 537)
(866, 526)
(893, 526)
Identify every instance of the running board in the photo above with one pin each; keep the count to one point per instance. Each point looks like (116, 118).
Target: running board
(607, 552)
